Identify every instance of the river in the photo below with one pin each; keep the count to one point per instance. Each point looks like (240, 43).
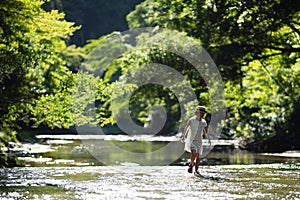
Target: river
(68, 169)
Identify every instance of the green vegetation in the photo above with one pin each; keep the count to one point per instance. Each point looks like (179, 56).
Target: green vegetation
(130, 67)
(32, 70)
(255, 45)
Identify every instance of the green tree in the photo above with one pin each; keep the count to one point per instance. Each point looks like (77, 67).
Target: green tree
(126, 65)
(256, 47)
(233, 32)
(31, 58)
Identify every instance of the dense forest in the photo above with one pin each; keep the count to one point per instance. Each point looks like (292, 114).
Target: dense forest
(56, 67)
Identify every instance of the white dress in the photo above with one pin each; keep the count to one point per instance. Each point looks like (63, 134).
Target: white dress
(195, 134)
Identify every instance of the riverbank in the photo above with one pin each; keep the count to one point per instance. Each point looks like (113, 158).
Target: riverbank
(276, 144)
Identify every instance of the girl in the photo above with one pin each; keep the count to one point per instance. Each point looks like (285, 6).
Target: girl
(192, 136)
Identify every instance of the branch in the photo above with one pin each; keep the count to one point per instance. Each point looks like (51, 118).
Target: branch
(16, 13)
(261, 57)
(289, 49)
(268, 56)
(293, 27)
(295, 22)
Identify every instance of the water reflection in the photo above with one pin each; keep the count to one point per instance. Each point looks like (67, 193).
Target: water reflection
(93, 152)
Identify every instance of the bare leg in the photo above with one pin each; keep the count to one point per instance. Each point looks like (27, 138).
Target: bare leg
(197, 162)
(193, 156)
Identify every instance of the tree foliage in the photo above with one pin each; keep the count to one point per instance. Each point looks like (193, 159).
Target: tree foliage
(254, 43)
(232, 31)
(256, 47)
(125, 65)
(31, 56)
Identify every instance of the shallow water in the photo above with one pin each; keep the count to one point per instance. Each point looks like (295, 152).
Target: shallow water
(272, 181)
(66, 169)
(97, 152)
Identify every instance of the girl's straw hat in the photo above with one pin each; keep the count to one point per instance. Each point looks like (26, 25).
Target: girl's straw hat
(200, 109)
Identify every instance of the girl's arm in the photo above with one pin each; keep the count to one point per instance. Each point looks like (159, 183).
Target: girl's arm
(185, 131)
(206, 134)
